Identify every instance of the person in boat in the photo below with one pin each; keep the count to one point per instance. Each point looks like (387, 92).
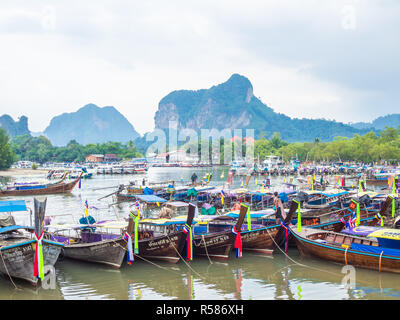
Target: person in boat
(278, 207)
(193, 178)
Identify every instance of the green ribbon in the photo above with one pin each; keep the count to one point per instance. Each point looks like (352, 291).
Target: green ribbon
(248, 216)
(298, 216)
(393, 206)
(136, 238)
(357, 212)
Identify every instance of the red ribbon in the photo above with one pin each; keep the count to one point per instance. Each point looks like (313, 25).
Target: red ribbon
(238, 242)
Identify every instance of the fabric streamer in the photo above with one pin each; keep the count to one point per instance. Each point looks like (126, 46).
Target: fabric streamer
(393, 205)
(353, 220)
(86, 208)
(38, 269)
(380, 219)
(287, 232)
(129, 253)
(238, 242)
(357, 213)
(298, 216)
(248, 216)
(222, 196)
(189, 241)
(79, 185)
(136, 221)
(137, 204)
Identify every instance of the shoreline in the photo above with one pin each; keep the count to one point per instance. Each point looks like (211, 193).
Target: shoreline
(18, 172)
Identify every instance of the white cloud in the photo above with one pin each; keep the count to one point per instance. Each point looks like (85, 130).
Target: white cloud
(57, 57)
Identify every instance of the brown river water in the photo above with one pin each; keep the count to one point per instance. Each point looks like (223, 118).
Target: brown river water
(253, 277)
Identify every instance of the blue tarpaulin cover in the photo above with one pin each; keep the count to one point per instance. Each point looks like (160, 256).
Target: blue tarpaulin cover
(148, 191)
(150, 198)
(12, 206)
(375, 250)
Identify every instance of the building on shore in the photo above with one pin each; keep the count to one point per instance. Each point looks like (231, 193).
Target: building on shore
(94, 158)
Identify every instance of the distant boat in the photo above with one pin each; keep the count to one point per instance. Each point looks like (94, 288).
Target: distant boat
(39, 189)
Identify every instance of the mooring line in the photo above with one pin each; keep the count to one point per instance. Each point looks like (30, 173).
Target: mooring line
(184, 259)
(1, 254)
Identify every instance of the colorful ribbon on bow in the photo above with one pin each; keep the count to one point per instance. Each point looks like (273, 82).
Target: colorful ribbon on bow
(298, 215)
(189, 241)
(86, 208)
(357, 222)
(222, 196)
(380, 219)
(238, 242)
(248, 217)
(136, 222)
(287, 232)
(129, 253)
(38, 269)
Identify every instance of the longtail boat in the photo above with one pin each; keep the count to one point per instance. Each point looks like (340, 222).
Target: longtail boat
(163, 239)
(379, 250)
(40, 189)
(255, 237)
(86, 243)
(214, 243)
(18, 246)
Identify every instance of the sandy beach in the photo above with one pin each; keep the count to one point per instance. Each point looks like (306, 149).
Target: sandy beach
(18, 172)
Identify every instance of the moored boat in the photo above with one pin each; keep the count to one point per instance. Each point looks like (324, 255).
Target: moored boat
(19, 246)
(366, 252)
(40, 189)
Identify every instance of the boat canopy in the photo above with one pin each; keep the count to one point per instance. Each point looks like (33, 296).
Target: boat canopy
(328, 193)
(177, 204)
(13, 206)
(14, 227)
(385, 233)
(150, 198)
(164, 222)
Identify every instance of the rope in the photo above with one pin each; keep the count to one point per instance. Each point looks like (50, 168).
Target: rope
(184, 259)
(1, 254)
(155, 264)
(205, 246)
(161, 267)
(380, 261)
(298, 263)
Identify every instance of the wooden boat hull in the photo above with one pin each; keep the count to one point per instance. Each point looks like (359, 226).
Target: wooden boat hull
(109, 252)
(17, 260)
(50, 189)
(261, 240)
(215, 246)
(168, 248)
(376, 182)
(346, 256)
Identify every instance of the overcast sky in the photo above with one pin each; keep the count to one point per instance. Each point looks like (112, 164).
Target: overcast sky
(332, 59)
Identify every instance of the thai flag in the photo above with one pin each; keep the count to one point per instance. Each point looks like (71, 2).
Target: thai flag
(222, 193)
(346, 223)
(86, 204)
(353, 220)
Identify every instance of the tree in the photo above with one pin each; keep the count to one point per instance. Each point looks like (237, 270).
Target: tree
(7, 156)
